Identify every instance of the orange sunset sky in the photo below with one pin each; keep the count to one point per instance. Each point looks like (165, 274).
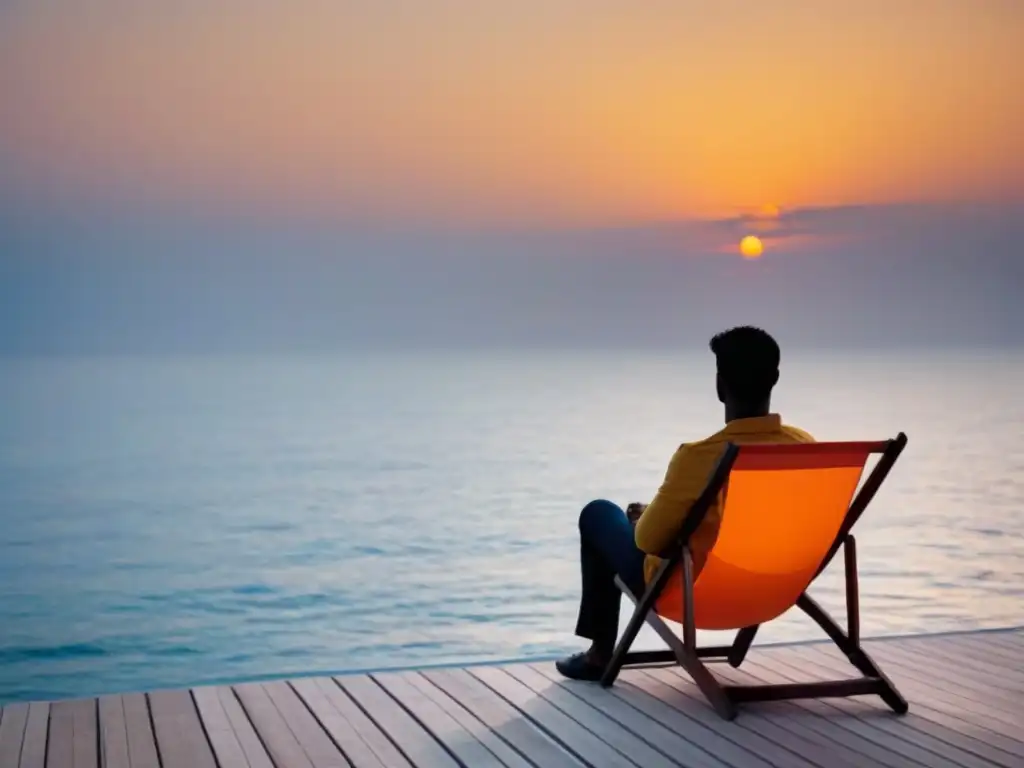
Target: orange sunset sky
(551, 111)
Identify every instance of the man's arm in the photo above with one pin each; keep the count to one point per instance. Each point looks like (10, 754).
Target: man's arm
(661, 521)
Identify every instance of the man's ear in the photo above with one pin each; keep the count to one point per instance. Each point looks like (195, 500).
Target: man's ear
(775, 378)
(719, 388)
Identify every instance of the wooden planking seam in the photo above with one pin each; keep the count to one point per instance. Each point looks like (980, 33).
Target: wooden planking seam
(345, 737)
(37, 730)
(502, 718)
(642, 691)
(864, 741)
(982, 650)
(390, 717)
(904, 733)
(382, 745)
(600, 724)
(808, 724)
(280, 743)
(436, 721)
(321, 749)
(113, 733)
(373, 721)
(570, 734)
(233, 737)
(180, 737)
(505, 751)
(636, 720)
(13, 723)
(1005, 684)
(954, 693)
(637, 690)
(935, 699)
(794, 737)
(768, 747)
(961, 713)
(935, 713)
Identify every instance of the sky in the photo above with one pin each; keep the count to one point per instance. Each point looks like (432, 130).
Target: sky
(587, 111)
(224, 175)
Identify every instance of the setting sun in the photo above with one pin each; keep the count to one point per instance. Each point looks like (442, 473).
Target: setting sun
(751, 247)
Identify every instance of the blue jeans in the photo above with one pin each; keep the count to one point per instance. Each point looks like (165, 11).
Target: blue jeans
(607, 549)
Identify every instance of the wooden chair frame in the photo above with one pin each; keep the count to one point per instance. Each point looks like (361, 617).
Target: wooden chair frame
(684, 651)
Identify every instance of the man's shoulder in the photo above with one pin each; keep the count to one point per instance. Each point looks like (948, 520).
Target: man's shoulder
(797, 435)
(713, 444)
(710, 443)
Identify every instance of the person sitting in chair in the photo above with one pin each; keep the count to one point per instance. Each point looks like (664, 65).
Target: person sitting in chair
(626, 543)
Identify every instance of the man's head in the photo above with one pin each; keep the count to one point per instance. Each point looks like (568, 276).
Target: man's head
(748, 369)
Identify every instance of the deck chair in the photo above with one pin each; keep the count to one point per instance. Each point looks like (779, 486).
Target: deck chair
(786, 512)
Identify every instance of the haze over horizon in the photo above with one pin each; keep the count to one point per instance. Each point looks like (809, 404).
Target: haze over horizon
(280, 176)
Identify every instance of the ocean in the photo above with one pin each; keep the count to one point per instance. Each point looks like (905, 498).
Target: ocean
(176, 521)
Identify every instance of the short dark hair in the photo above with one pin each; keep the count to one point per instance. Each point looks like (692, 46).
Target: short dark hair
(748, 362)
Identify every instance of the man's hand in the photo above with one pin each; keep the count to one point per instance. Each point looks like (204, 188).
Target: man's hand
(634, 510)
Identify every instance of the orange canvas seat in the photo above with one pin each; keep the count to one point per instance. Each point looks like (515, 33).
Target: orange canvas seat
(786, 511)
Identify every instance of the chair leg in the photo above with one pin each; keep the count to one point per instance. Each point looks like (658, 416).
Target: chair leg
(611, 672)
(888, 691)
(684, 650)
(690, 660)
(741, 645)
(855, 653)
(716, 695)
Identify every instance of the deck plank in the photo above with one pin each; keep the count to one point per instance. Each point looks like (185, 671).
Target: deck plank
(601, 724)
(505, 753)
(808, 726)
(86, 746)
(923, 702)
(418, 745)
(73, 735)
(281, 743)
(341, 731)
(786, 747)
(234, 740)
(316, 742)
(113, 733)
(812, 725)
(965, 692)
(33, 747)
(960, 671)
(643, 723)
(1012, 638)
(141, 739)
(459, 741)
(561, 727)
(378, 741)
(697, 721)
(956, 687)
(180, 739)
(1013, 641)
(982, 649)
(945, 694)
(634, 691)
(909, 729)
(13, 720)
(502, 718)
(849, 732)
(60, 753)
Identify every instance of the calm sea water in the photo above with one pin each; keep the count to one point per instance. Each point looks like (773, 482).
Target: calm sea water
(174, 521)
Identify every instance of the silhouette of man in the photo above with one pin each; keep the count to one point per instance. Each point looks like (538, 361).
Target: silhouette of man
(614, 542)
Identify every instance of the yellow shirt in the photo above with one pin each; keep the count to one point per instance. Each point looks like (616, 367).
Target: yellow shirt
(687, 475)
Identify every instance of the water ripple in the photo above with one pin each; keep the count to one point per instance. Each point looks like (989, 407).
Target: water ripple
(168, 523)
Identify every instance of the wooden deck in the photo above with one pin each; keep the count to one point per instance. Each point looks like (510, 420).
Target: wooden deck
(966, 695)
